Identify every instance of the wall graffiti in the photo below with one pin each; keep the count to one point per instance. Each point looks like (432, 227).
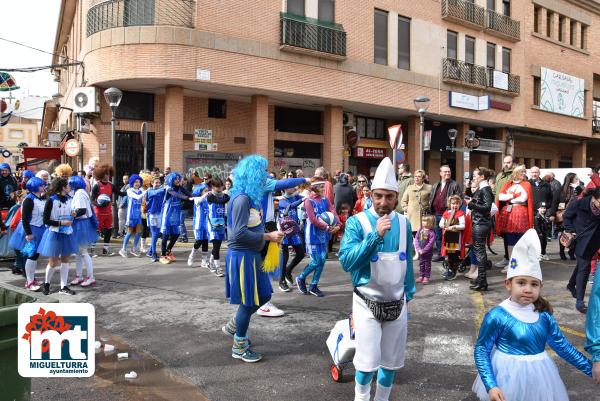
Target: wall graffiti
(217, 168)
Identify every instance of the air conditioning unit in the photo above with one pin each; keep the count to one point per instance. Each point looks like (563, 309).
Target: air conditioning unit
(348, 119)
(85, 100)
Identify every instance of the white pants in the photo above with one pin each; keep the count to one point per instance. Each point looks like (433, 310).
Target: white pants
(122, 218)
(378, 344)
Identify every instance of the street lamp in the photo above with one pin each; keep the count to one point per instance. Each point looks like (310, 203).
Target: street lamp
(113, 98)
(421, 105)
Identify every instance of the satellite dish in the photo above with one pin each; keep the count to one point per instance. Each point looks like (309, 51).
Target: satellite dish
(81, 100)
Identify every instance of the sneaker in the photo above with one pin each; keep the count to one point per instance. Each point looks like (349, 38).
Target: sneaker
(88, 282)
(171, 257)
(425, 280)
(219, 272)
(123, 253)
(204, 264)
(164, 260)
(450, 276)
(212, 268)
(501, 263)
(247, 356)
(66, 291)
(33, 286)
(284, 287)
(149, 253)
(580, 306)
(154, 258)
(270, 310)
(77, 281)
(419, 280)
(316, 291)
(544, 257)
(135, 253)
(289, 280)
(46, 288)
(190, 261)
(301, 284)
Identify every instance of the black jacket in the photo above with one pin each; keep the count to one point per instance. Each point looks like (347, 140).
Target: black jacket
(543, 193)
(344, 193)
(578, 218)
(453, 189)
(481, 206)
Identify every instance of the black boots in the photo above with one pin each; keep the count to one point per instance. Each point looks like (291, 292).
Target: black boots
(481, 283)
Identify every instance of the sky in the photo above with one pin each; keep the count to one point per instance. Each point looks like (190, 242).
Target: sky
(31, 22)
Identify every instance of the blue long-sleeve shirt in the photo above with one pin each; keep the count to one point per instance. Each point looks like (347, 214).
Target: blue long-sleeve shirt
(269, 213)
(357, 250)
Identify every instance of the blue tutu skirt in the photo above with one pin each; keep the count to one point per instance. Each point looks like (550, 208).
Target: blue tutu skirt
(245, 282)
(85, 232)
(55, 244)
(18, 241)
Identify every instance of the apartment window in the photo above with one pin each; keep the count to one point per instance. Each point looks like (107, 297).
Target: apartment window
(217, 108)
(452, 45)
(491, 4)
(136, 106)
(584, 30)
(549, 24)
(506, 60)
(491, 55)
(327, 10)
(572, 33)
(561, 29)
(298, 121)
(404, 43)
(372, 128)
(537, 87)
(469, 50)
(295, 7)
(381, 40)
(536, 19)
(506, 7)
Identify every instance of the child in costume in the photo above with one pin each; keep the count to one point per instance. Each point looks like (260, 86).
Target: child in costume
(510, 352)
(452, 224)
(423, 243)
(85, 231)
(154, 204)
(31, 228)
(103, 186)
(200, 225)
(146, 184)
(58, 242)
(217, 202)
(316, 238)
(133, 219)
(288, 209)
(542, 227)
(169, 228)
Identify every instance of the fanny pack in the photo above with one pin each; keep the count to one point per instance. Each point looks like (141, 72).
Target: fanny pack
(383, 311)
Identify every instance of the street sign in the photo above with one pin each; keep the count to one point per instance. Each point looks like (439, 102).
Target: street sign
(72, 147)
(399, 156)
(395, 135)
(144, 133)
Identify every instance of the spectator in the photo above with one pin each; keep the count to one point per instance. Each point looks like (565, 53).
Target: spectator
(416, 199)
(196, 178)
(365, 203)
(343, 192)
(570, 190)
(542, 192)
(361, 181)
(405, 178)
(122, 206)
(438, 203)
(322, 174)
(299, 173)
(501, 179)
(8, 187)
(595, 179)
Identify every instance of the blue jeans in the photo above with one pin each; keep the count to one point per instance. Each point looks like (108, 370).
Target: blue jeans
(438, 233)
(318, 255)
(182, 229)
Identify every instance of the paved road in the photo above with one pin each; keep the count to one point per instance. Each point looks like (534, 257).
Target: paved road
(169, 317)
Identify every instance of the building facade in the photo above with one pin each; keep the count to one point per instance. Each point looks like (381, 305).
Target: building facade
(291, 80)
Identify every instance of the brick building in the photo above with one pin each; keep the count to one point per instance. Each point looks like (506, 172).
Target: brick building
(288, 79)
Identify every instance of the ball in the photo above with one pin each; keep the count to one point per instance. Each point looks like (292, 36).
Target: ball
(328, 218)
(103, 200)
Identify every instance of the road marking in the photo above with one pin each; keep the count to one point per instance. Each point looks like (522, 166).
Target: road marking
(448, 349)
(568, 330)
(480, 309)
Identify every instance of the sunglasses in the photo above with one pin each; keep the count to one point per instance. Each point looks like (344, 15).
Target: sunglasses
(362, 181)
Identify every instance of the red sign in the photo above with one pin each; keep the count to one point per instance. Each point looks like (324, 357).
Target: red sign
(72, 147)
(369, 153)
(495, 104)
(352, 138)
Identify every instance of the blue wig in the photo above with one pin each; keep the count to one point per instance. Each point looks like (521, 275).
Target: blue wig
(250, 177)
(172, 177)
(197, 190)
(34, 184)
(5, 166)
(76, 182)
(134, 178)
(28, 174)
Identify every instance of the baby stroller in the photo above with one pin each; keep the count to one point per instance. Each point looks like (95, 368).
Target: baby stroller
(341, 347)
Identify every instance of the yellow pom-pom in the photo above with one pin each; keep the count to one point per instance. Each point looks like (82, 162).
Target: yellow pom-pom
(271, 261)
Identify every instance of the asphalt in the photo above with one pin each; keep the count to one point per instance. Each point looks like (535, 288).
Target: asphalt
(169, 318)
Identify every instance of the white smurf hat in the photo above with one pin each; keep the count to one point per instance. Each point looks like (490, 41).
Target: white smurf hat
(524, 258)
(385, 176)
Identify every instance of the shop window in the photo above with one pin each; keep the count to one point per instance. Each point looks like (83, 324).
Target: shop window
(380, 37)
(296, 7)
(371, 128)
(327, 10)
(452, 45)
(537, 87)
(404, 43)
(304, 150)
(217, 108)
(136, 106)
(298, 120)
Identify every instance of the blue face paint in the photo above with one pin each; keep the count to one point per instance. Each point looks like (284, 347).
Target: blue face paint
(402, 256)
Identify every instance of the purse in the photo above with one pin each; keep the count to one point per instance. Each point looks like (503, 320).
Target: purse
(567, 239)
(287, 223)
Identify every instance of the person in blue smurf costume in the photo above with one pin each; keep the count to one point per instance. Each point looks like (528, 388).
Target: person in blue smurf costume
(510, 352)
(377, 252)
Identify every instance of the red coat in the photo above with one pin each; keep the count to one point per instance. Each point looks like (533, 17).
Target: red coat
(530, 212)
(458, 214)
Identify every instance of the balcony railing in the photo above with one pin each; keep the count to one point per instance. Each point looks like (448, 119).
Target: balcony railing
(312, 35)
(502, 25)
(476, 75)
(463, 11)
(106, 14)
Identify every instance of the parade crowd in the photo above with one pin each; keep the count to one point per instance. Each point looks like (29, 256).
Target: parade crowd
(377, 226)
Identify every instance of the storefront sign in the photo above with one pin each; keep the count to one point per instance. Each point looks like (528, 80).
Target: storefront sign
(496, 104)
(72, 148)
(490, 145)
(469, 102)
(500, 80)
(562, 93)
(369, 153)
(203, 136)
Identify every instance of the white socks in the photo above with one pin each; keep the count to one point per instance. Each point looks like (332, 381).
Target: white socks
(204, 256)
(362, 392)
(64, 274)
(79, 266)
(49, 273)
(382, 393)
(30, 266)
(84, 259)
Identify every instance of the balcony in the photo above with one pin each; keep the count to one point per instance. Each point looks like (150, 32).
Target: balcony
(464, 12)
(107, 14)
(310, 36)
(503, 26)
(456, 71)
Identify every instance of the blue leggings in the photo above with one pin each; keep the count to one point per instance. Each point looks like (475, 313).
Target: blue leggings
(318, 255)
(244, 313)
(385, 377)
(136, 240)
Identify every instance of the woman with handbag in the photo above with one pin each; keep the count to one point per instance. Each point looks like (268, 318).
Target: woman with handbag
(570, 190)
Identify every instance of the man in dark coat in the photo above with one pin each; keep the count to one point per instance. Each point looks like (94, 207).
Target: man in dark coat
(343, 192)
(582, 217)
(438, 203)
(542, 192)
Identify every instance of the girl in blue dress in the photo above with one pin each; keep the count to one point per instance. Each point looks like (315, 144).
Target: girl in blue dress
(510, 351)
(31, 228)
(169, 228)
(154, 205)
(58, 242)
(133, 217)
(288, 209)
(200, 225)
(217, 202)
(85, 231)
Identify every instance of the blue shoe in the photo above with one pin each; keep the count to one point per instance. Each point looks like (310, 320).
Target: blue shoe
(241, 350)
(316, 291)
(149, 253)
(301, 283)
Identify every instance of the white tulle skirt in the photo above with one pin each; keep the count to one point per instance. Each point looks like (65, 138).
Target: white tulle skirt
(524, 378)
